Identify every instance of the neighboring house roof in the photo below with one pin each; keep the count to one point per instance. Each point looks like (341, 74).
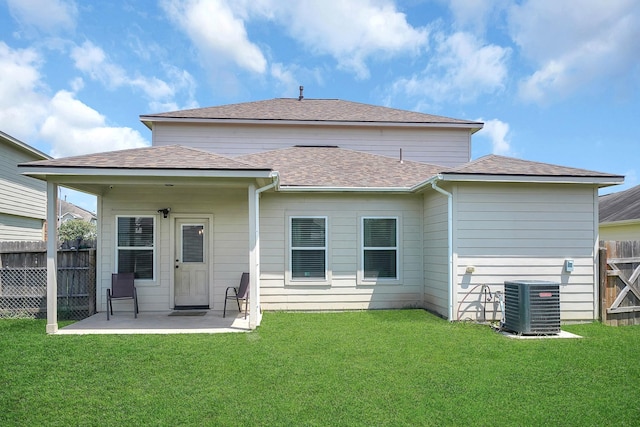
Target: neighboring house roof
(37, 154)
(620, 206)
(310, 111)
(330, 166)
(76, 212)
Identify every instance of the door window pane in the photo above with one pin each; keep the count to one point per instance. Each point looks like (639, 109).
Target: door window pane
(193, 243)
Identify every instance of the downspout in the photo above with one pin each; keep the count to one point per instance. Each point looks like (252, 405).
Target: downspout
(449, 241)
(254, 291)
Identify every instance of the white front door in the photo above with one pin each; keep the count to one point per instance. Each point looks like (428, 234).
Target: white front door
(192, 265)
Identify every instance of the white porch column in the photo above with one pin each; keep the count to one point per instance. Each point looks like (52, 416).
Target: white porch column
(254, 259)
(52, 258)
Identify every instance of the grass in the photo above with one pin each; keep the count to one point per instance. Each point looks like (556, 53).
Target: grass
(402, 367)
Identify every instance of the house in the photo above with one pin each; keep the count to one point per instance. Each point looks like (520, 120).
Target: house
(68, 211)
(23, 200)
(620, 215)
(333, 205)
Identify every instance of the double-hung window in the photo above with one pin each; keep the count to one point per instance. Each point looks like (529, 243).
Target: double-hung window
(308, 246)
(135, 242)
(380, 248)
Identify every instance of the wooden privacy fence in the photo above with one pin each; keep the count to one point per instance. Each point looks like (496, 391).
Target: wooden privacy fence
(619, 285)
(23, 281)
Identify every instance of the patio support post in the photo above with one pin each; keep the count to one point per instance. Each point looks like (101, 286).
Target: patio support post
(52, 258)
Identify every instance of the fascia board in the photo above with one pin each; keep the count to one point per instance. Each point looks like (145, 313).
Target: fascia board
(92, 172)
(309, 189)
(532, 179)
(473, 126)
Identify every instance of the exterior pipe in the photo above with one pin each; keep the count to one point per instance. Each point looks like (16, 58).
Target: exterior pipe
(255, 316)
(434, 185)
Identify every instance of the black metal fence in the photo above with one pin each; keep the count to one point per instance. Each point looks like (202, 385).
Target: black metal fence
(23, 281)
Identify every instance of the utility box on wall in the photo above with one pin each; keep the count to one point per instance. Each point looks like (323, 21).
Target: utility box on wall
(532, 307)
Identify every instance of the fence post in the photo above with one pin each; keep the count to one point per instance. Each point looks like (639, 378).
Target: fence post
(602, 285)
(92, 281)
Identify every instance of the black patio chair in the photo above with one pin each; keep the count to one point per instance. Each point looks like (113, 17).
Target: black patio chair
(241, 293)
(122, 287)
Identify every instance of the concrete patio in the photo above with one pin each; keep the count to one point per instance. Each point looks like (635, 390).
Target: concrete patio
(205, 322)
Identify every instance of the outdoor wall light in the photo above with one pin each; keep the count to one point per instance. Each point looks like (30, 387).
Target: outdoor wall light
(164, 212)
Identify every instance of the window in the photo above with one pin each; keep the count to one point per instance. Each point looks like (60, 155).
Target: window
(380, 248)
(193, 243)
(308, 248)
(136, 246)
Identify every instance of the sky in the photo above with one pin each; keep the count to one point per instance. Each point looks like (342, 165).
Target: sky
(555, 81)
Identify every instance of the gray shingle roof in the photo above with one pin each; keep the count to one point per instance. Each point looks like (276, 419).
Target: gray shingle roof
(620, 206)
(310, 110)
(158, 157)
(304, 166)
(501, 165)
(341, 168)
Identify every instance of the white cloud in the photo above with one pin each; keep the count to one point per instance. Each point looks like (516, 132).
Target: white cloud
(573, 47)
(352, 32)
(218, 34)
(29, 113)
(461, 69)
(474, 15)
(93, 61)
(22, 99)
(497, 132)
(73, 128)
(48, 16)
(284, 75)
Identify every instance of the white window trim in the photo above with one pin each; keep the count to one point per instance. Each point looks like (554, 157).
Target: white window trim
(289, 279)
(154, 248)
(361, 280)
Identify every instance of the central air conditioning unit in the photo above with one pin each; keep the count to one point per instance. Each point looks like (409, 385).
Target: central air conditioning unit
(532, 307)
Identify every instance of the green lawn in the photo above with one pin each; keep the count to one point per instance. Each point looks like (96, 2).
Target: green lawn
(402, 367)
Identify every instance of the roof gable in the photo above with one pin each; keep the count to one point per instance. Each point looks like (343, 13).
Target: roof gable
(311, 110)
(620, 206)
